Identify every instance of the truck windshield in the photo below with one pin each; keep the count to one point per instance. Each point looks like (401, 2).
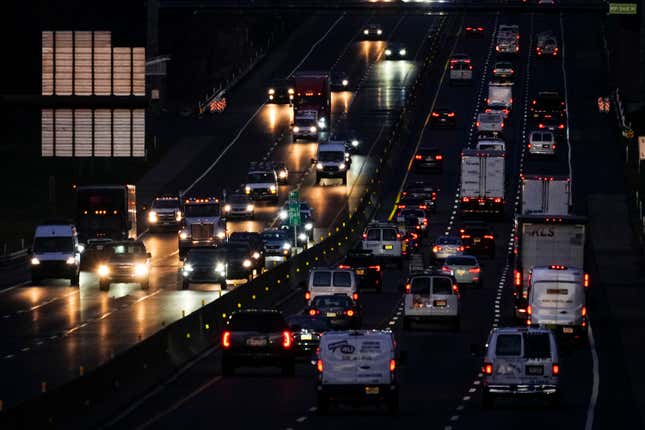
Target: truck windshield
(331, 156)
(53, 244)
(205, 210)
(165, 204)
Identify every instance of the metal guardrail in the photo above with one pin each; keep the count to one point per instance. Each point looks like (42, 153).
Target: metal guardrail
(132, 372)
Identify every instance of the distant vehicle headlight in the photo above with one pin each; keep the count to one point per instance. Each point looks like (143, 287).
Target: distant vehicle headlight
(35, 261)
(183, 235)
(256, 255)
(247, 189)
(282, 174)
(296, 129)
(403, 52)
(250, 208)
(355, 143)
(271, 91)
(313, 129)
(272, 188)
(152, 217)
(309, 226)
(388, 52)
(247, 263)
(188, 267)
(70, 260)
(140, 270)
(379, 31)
(80, 248)
(286, 246)
(221, 234)
(227, 208)
(342, 166)
(319, 166)
(322, 123)
(283, 214)
(103, 271)
(219, 267)
(345, 82)
(302, 237)
(178, 216)
(290, 91)
(366, 32)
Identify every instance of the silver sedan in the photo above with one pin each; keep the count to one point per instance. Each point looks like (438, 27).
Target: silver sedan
(465, 269)
(446, 246)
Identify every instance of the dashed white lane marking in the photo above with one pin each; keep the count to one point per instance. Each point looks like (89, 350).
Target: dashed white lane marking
(472, 390)
(301, 419)
(466, 398)
(454, 418)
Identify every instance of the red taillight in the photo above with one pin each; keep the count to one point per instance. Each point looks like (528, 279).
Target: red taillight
(438, 157)
(477, 123)
(392, 365)
(313, 312)
(487, 369)
(402, 206)
(364, 236)
(480, 28)
(529, 310)
(435, 114)
(307, 295)
(540, 125)
(461, 248)
(349, 313)
(497, 200)
(465, 236)
(474, 270)
(586, 280)
(287, 339)
(583, 312)
(446, 269)
(418, 157)
(436, 248)
(344, 266)
(466, 199)
(561, 126)
(530, 146)
(355, 296)
(455, 288)
(226, 339)
(398, 235)
(377, 268)
(518, 278)
(451, 114)
(488, 236)
(319, 366)
(408, 288)
(553, 146)
(555, 369)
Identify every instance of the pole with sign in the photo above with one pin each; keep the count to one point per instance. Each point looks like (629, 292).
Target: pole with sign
(294, 214)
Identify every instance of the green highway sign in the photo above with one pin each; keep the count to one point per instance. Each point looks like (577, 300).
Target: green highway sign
(294, 208)
(622, 8)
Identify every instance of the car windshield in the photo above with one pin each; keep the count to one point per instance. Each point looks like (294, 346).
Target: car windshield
(261, 177)
(460, 261)
(508, 345)
(202, 210)
(54, 244)
(331, 156)
(205, 256)
(165, 203)
(133, 249)
(266, 322)
(336, 301)
(238, 198)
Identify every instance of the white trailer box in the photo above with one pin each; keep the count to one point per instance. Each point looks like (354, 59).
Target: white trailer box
(482, 182)
(547, 195)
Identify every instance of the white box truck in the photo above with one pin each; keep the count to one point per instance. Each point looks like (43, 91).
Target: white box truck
(547, 195)
(500, 98)
(482, 182)
(545, 240)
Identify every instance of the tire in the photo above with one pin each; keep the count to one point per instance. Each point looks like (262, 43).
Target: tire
(406, 323)
(393, 405)
(104, 285)
(289, 368)
(488, 400)
(185, 285)
(322, 405)
(74, 281)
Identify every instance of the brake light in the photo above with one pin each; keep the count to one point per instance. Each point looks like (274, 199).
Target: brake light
(226, 339)
(436, 248)
(355, 296)
(349, 313)
(455, 288)
(313, 312)
(402, 206)
(555, 369)
(418, 157)
(287, 339)
(364, 236)
(540, 125)
(377, 268)
(408, 288)
(392, 365)
(497, 200)
(465, 236)
(489, 236)
(423, 207)
(529, 146)
(466, 199)
(475, 270)
(561, 126)
(320, 366)
(529, 310)
(446, 269)
(438, 157)
(307, 295)
(461, 248)
(586, 280)
(553, 146)
(451, 114)
(583, 312)
(343, 266)
(518, 278)
(477, 123)
(398, 235)
(557, 267)
(487, 369)
(435, 114)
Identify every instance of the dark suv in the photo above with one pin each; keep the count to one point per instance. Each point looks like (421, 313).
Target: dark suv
(257, 337)
(477, 239)
(428, 160)
(124, 261)
(366, 269)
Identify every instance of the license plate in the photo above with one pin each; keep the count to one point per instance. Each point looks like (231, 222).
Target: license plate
(360, 271)
(306, 336)
(256, 342)
(567, 329)
(440, 303)
(331, 314)
(535, 370)
(477, 240)
(371, 390)
(461, 272)
(388, 247)
(545, 146)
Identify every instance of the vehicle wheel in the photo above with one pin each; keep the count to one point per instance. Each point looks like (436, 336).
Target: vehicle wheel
(145, 285)
(74, 281)
(289, 369)
(344, 180)
(406, 323)
(185, 285)
(393, 405)
(322, 405)
(227, 368)
(104, 285)
(488, 400)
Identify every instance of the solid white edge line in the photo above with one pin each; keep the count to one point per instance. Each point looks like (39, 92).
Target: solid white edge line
(13, 287)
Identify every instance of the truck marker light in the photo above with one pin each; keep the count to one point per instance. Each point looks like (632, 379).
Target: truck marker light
(555, 369)
(226, 339)
(392, 365)
(320, 366)
(488, 369)
(586, 280)
(287, 339)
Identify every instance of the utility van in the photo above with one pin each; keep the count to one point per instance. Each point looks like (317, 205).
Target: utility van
(330, 281)
(55, 253)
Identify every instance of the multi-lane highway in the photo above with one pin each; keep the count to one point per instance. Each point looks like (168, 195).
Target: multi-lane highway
(77, 329)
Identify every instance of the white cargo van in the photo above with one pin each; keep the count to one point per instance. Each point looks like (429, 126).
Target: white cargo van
(557, 299)
(490, 123)
(431, 296)
(330, 281)
(357, 366)
(384, 240)
(55, 253)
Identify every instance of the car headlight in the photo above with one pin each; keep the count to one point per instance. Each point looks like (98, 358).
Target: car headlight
(140, 270)
(388, 52)
(379, 32)
(247, 189)
(322, 122)
(345, 82)
(302, 237)
(35, 261)
(313, 129)
(309, 226)
(319, 166)
(342, 166)
(103, 270)
(221, 234)
(286, 246)
(271, 91)
(403, 52)
(250, 208)
(296, 129)
(70, 260)
(354, 143)
(272, 188)
(80, 248)
(219, 267)
(282, 174)
(188, 267)
(247, 263)
(290, 91)
(183, 235)
(283, 214)
(256, 255)
(366, 32)
(227, 208)
(152, 217)
(178, 216)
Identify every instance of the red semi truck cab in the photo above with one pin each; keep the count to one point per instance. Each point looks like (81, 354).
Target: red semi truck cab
(312, 91)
